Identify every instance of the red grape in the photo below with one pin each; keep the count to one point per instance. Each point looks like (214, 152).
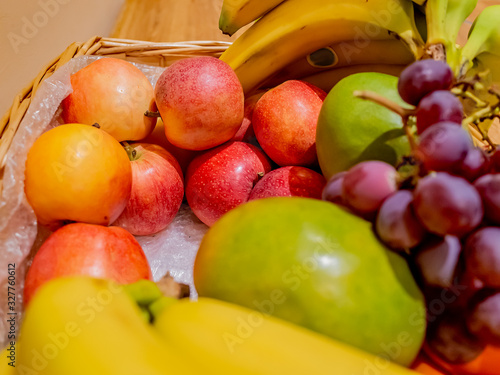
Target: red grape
(437, 261)
(396, 224)
(495, 161)
(438, 106)
(332, 192)
(367, 184)
(484, 321)
(447, 204)
(482, 256)
(489, 189)
(443, 146)
(450, 339)
(422, 77)
(475, 164)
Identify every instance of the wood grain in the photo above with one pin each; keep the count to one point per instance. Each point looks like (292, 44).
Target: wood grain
(182, 20)
(171, 21)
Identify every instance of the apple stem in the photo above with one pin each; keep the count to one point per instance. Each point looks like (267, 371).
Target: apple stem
(131, 152)
(149, 113)
(96, 125)
(394, 107)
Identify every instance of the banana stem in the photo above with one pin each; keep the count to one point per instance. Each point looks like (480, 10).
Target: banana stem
(394, 107)
(435, 11)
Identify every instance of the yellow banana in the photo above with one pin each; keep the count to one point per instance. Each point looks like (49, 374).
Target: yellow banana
(456, 14)
(237, 13)
(380, 52)
(420, 20)
(328, 79)
(484, 37)
(237, 340)
(435, 11)
(83, 326)
(7, 362)
(444, 19)
(298, 27)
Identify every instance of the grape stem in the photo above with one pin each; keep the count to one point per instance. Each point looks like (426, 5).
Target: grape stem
(468, 95)
(394, 107)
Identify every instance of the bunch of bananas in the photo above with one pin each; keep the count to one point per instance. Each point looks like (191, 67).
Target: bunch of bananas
(322, 41)
(81, 325)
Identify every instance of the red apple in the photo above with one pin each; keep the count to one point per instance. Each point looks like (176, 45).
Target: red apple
(87, 249)
(157, 190)
(289, 181)
(201, 101)
(245, 133)
(284, 121)
(183, 156)
(223, 178)
(115, 94)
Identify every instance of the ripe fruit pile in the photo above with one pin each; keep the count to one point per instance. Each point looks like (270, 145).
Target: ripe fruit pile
(441, 207)
(140, 186)
(242, 128)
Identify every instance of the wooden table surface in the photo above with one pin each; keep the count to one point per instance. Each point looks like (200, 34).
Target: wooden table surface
(181, 20)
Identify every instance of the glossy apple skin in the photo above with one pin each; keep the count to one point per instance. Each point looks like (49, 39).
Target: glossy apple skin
(223, 178)
(79, 173)
(201, 102)
(115, 94)
(157, 191)
(246, 133)
(284, 121)
(87, 249)
(289, 181)
(183, 156)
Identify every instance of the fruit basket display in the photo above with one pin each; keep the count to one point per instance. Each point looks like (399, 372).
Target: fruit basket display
(152, 57)
(326, 195)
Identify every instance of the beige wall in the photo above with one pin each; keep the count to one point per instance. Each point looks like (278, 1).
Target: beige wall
(33, 32)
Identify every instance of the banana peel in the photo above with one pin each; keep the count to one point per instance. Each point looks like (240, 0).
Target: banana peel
(7, 362)
(237, 340)
(81, 325)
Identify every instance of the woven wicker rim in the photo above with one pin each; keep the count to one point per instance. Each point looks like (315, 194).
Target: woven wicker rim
(157, 54)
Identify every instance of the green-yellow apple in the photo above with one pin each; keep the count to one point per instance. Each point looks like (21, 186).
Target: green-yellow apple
(310, 262)
(351, 129)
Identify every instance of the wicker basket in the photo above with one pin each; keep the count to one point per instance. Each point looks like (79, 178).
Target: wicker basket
(155, 54)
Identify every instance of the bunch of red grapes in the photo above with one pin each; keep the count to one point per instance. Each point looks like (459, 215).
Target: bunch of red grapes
(445, 219)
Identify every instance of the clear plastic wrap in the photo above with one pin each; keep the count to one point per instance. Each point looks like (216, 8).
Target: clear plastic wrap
(172, 250)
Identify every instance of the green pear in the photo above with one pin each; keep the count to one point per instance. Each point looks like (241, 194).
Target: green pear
(351, 129)
(311, 263)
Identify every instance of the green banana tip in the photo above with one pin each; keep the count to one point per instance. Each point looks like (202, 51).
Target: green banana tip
(143, 292)
(158, 306)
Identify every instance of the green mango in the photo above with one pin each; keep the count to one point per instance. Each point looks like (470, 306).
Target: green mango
(311, 263)
(351, 129)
